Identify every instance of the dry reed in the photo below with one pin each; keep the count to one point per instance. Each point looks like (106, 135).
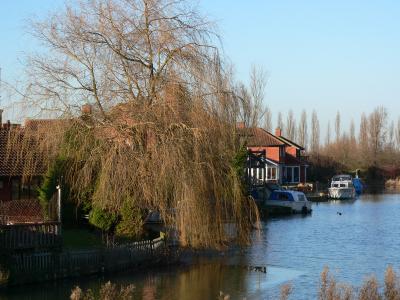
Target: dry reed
(108, 291)
(286, 290)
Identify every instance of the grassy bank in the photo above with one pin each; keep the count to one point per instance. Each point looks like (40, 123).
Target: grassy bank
(79, 238)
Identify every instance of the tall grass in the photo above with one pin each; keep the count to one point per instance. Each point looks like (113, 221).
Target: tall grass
(108, 291)
(331, 289)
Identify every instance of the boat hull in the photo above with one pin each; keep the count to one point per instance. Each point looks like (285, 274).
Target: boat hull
(288, 206)
(342, 193)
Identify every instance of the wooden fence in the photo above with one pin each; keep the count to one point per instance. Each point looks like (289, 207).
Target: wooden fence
(36, 236)
(42, 266)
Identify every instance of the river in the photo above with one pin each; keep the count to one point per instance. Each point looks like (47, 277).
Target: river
(353, 238)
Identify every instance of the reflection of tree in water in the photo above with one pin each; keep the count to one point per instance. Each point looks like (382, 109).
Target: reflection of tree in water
(203, 281)
(149, 289)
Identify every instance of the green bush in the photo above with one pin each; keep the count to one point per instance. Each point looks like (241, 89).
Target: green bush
(131, 220)
(102, 219)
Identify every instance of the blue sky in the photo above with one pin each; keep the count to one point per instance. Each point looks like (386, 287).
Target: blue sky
(323, 55)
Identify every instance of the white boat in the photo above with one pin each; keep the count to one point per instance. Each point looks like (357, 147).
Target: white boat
(287, 201)
(342, 187)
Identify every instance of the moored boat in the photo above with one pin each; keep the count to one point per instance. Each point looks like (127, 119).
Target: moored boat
(342, 187)
(287, 201)
(358, 185)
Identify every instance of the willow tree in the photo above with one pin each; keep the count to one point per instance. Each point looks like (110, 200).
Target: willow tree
(159, 128)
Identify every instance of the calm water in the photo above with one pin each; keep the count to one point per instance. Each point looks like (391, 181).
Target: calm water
(364, 239)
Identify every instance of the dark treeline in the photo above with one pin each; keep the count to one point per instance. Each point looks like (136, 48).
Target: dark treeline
(373, 149)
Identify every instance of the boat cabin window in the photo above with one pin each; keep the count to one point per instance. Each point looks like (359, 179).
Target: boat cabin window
(342, 178)
(342, 185)
(283, 196)
(335, 185)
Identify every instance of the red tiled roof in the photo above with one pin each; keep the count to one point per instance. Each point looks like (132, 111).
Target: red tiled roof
(258, 137)
(14, 153)
(35, 124)
(289, 142)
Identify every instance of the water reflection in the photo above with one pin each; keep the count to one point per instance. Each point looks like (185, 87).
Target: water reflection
(363, 239)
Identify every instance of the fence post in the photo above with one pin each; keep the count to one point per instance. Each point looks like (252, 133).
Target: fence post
(59, 204)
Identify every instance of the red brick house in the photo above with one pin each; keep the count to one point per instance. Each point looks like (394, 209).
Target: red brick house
(19, 178)
(284, 159)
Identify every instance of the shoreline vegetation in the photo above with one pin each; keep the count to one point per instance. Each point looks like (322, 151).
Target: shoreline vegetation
(371, 149)
(393, 184)
(329, 289)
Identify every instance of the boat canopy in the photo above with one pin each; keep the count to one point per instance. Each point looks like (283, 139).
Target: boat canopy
(281, 196)
(341, 178)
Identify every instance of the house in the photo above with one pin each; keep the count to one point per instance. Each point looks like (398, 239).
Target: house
(284, 160)
(21, 165)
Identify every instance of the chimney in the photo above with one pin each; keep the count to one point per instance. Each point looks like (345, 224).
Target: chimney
(86, 109)
(8, 125)
(1, 118)
(278, 131)
(240, 125)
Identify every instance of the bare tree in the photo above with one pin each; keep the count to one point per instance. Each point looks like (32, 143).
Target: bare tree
(258, 82)
(279, 122)
(314, 145)
(291, 126)
(337, 126)
(377, 131)
(391, 139)
(302, 130)
(364, 138)
(398, 133)
(118, 51)
(328, 134)
(253, 109)
(352, 130)
(268, 119)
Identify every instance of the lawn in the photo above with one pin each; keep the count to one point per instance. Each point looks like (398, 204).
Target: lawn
(81, 238)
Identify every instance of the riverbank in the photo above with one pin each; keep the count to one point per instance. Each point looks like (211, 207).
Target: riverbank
(329, 289)
(295, 249)
(27, 268)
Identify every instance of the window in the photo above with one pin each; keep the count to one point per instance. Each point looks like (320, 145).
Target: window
(15, 189)
(296, 174)
(289, 174)
(301, 198)
(283, 196)
(260, 173)
(272, 173)
(292, 174)
(24, 190)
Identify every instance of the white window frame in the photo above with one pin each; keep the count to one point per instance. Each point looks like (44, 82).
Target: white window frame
(268, 173)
